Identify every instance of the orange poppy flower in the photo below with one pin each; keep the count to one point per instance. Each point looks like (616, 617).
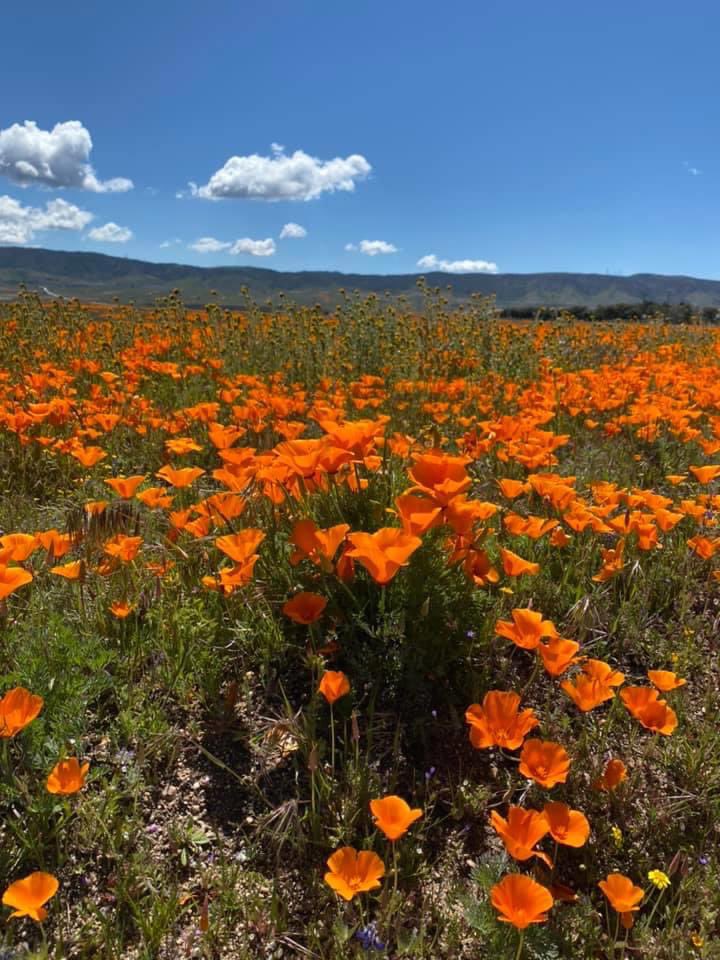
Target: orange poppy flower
(123, 548)
(665, 680)
(74, 570)
(558, 654)
(526, 629)
(125, 487)
(612, 562)
(440, 476)
(383, 553)
(603, 672)
(479, 569)
(240, 546)
(156, 498)
(333, 685)
(521, 831)
(393, 816)
(613, 775)
(515, 566)
(18, 546)
(352, 872)
(705, 474)
(88, 456)
(417, 514)
(67, 776)
(179, 478)
(566, 826)
(320, 546)
(11, 579)
(121, 609)
(520, 900)
(29, 894)
(622, 895)
(545, 762)
(18, 708)
(654, 714)
(498, 722)
(558, 538)
(304, 607)
(511, 489)
(586, 692)
(55, 543)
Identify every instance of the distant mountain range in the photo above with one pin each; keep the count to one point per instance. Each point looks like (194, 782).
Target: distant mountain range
(94, 276)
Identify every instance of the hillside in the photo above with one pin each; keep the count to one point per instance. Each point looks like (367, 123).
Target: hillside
(95, 276)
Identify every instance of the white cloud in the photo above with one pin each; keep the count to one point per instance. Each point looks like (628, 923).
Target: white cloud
(209, 245)
(431, 262)
(693, 171)
(372, 247)
(19, 224)
(170, 243)
(111, 233)
(293, 231)
(53, 158)
(297, 176)
(257, 248)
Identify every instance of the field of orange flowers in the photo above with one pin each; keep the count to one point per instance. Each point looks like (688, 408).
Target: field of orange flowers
(366, 634)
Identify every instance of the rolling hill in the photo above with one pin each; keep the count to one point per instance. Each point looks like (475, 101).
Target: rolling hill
(95, 276)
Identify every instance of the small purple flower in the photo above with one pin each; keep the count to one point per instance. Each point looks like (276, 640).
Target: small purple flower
(470, 634)
(430, 773)
(703, 861)
(433, 714)
(368, 937)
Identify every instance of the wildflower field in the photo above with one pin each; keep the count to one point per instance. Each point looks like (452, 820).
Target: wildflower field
(370, 633)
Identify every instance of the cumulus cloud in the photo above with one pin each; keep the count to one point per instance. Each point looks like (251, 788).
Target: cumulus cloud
(170, 243)
(293, 231)
(20, 224)
(431, 262)
(256, 248)
(372, 247)
(209, 245)
(53, 158)
(296, 176)
(111, 233)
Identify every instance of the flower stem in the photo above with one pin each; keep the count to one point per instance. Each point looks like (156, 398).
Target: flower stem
(521, 941)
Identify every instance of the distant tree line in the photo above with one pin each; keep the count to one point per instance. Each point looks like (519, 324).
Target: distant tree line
(647, 310)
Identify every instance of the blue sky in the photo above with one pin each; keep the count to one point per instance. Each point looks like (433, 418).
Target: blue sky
(487, 135)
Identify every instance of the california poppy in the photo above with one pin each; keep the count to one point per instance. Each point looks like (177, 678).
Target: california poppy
(526, 629)
(498, 722)
(623, 895)
(520, 900)
(515, 566)
(240, 546)
(67, 776)
(566, 826)
(18, 708)
(29, 894)
(521, 831)
(11, 579)
(654, 714)
(333, 685)
(393, 816)
(352, 872)
(383, 553)
(19, 546)
(125, 487)
(545, 762)
(558, 654)
(665, 680)
(613, 775)
(304, 607)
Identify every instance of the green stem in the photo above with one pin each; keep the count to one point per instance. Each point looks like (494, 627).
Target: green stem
(521, 941)
(332, 739)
